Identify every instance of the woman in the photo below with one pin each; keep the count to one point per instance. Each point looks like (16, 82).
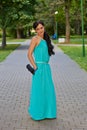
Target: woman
(42, 96)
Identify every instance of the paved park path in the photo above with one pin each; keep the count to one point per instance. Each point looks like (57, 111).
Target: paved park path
(71, 92)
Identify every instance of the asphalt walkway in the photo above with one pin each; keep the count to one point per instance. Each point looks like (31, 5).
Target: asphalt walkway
(71, 91)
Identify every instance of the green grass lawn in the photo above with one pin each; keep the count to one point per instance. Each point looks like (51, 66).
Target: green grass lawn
(7, 50)
(78, 41)
(75, 53)
(9, 39)
(74, 41)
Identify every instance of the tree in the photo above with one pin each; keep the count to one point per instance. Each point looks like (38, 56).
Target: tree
(16, 14)
(67, 13)
(68, 17)
(5, 6)
(75, 16)
(46, 12)
(67, 5)
(51, 7)
(22, 16)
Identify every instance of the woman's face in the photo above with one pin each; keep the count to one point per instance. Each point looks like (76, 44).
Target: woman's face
(40, 30)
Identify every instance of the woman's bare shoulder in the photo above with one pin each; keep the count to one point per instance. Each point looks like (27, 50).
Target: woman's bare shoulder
(34, 39)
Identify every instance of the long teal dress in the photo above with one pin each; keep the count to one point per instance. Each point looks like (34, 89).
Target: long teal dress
(42, 96)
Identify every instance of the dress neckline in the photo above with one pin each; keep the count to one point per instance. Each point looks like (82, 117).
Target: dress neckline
(40, 42)
(40, 38)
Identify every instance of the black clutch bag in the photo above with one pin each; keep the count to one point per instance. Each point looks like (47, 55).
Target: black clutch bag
(30, 68)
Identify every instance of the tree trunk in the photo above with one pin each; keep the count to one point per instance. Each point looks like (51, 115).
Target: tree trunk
(20, 33)
(3, 37)
(67, 40)
(77, 27)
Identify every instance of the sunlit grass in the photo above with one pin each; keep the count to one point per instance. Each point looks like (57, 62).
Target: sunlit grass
(7, 50)
(73, 41)
(8, 39)
(76, 53)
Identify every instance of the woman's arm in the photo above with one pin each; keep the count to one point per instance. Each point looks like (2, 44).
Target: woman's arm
(30, 51)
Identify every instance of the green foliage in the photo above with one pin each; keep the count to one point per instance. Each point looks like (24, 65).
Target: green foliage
(21, 14)
(16, 13)
(46, 11)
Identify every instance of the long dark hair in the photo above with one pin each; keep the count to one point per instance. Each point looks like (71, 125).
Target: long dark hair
(46, 37)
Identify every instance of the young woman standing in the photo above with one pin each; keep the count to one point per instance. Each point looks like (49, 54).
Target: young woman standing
(42, 96)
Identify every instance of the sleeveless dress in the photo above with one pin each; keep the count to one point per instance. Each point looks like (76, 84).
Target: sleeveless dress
(42, 96)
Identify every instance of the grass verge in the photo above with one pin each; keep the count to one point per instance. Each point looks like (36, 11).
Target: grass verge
(9, 39)
(75, 53)
(73, 41)
(7, 50)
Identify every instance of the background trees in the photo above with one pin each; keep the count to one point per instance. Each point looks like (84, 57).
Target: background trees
(4, 18)
(15, 14)
(18, 16)
(68, 17)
